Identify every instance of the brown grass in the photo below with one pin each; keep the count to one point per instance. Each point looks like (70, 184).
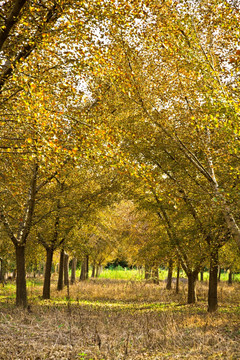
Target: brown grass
(116, 320)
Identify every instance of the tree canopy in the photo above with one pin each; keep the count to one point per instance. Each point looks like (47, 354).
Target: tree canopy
(131, 103)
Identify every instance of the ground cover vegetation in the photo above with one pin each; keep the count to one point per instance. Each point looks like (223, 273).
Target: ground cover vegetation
(119, 319)
(120, 145)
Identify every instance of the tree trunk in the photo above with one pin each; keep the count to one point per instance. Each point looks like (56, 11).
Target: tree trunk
(219, 273)
(66, 269)
(229, 218)
(84, 269)
(73, 270)
(201, 276)
(20, 241)
(93, 270)
(60, 272)
(14, 274)
(47, 276)
(2, 272)
(155, 275)
(230, 280)
(177, 280)
(98, 270)
(213, 281)
(169, 278)
(147, 272)
(21, 287)
(192, 278)
(87, 266)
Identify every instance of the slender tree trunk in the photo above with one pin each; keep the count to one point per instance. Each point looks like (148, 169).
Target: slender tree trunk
(93, 270)
(192, 278)
(87, 266)
(2, 272)
(147, 272)
(219, 273)
(230, 277)
(169, 278)
(213, 281)
(177, 280)
(60, 272)
(201, 276)
(47, 276)
(21, 287)
(84, 269)
(73, 270)
(83, 274)
(155, 275)
(98, 270)
(20, 241)
(66, 269)
(14, 274)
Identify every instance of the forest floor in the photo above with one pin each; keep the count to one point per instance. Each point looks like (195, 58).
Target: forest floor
(119, 320)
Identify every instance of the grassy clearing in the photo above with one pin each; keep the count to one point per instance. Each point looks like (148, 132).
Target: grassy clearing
(116, 319)
(122, 274)
(136, 275)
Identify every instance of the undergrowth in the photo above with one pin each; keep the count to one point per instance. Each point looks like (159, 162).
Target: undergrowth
(109, 319)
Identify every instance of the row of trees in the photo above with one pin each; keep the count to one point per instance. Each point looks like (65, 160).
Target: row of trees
(134, 100)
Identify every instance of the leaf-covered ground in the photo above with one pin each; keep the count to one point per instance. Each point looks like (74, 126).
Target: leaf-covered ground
(97, 324)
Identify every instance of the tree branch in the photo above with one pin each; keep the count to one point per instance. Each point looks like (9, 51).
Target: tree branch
(11, 20)
(7, 227)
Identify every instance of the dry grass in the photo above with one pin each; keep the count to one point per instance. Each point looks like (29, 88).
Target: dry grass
(116, 320)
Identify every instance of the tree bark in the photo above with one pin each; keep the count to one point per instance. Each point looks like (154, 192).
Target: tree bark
(93, 270)
(66, 269)
(84, 269)
(11, 20)
(213, 281)
(21, 288)
(192, 278)
(20, 240)
(47, 276)
(230, 277)
(98, 270)
(155, 275)
(14, 274)
(219, 273)
(147, 272)
(60, 272)
(230, 220)
(73, 270)
(169, 278)
(177, 280)
(2, 271)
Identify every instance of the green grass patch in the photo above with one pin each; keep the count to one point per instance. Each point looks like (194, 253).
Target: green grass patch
(129, 274)
(122, 274)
